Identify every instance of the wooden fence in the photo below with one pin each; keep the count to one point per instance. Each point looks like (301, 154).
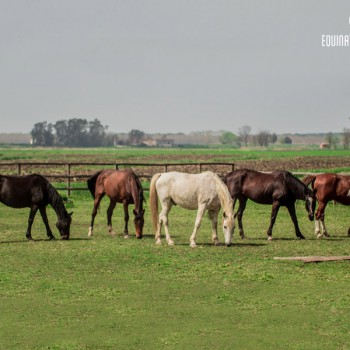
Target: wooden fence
(79, 172)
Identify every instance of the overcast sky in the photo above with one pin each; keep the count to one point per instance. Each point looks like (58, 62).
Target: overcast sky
(175, 65)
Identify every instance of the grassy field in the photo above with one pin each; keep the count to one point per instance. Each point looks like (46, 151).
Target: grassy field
(111, 293)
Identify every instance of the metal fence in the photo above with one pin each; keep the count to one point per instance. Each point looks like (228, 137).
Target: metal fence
(72, 172)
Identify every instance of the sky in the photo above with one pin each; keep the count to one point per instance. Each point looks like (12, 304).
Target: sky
(174, 66)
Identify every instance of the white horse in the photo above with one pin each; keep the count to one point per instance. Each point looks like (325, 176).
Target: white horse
(203, 191)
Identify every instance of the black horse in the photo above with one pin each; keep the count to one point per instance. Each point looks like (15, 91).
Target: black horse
(279, 188)
(35, 192)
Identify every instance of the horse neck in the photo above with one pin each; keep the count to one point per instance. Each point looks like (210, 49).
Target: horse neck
(224, 195)
(56, 202)
(299, 189)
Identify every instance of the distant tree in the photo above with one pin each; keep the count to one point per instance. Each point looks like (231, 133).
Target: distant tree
(263, 138)
(332, 139)
(96, 133)
(244, 133)
(228, 138)
(42, 134)
(346, 138)
(61, 128)
(286, 140)
(136, 137)
(273, 138)
(77, 133)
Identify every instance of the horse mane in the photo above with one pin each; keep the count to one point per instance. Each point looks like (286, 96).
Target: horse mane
(224, 194)
(299, 188)
(56, 200)
(139, 189)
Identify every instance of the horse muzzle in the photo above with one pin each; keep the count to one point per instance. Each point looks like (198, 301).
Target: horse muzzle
(311, 217)
(65, 237)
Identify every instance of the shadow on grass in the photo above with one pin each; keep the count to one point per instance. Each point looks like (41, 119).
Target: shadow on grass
(26, 241)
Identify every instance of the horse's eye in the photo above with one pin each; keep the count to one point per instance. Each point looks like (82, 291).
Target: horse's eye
(225, 227)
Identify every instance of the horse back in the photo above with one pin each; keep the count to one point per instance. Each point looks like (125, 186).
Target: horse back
(330, 186)
(187, 190)
(121, 185)
(262, 188)
(23, 191)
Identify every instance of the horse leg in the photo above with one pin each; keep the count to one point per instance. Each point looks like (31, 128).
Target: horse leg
(32, 213)
(197, 224)
(239, 214)
(110, 209)
(320, 229)
(213, 214)
(97, 201)
(126, 219)
(274, 212)
(163, 219)
(291, 210)
(46, 222)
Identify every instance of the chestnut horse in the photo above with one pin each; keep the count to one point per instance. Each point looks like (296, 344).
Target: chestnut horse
(279, 188)
(35, 192)
(328, 187)
(121, 186)
(203, 191)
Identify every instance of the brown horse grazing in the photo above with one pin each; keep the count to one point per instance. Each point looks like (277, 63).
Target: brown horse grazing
(279, 188)
(35, 192)
(121, 186)
(328, 187)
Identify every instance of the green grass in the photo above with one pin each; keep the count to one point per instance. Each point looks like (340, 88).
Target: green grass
(130, 154)
(111, 293)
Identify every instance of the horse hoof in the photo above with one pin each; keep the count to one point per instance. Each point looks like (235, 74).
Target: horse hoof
(269, 238)
(112, 233)
(126, 236)
(171, 242)
(193, 245)
(320, 235)
(158, 241)
(216, 243)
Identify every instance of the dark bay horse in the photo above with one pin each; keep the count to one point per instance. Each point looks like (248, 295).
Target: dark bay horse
(279, 188)
(328, 187)
(121, 186)
(35, 192)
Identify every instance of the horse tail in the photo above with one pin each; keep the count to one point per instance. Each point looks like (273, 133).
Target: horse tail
(309, 179)
(91, 183)
(153, 201)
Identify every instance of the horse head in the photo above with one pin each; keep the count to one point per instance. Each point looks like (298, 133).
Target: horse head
(63, 225)
(139, 222)
(228, 226)
(310, 205)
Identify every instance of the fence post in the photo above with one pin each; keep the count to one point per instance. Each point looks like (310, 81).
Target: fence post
(68, 169)
(200, 167)
(19, 169)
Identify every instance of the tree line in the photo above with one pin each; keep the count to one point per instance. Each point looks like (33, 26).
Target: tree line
(70, 133)
(83, 133)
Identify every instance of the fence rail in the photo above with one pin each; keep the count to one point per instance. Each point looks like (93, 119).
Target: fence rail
(77, 171)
